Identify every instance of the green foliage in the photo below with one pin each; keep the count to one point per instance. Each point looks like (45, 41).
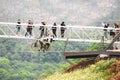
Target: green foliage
(64, 67)
(46, 73)
(97, 46)
(4, 75)
(93, 72)
(30, 65)
(94, 46)
(77, 60)
(104, 66)
(4, 63)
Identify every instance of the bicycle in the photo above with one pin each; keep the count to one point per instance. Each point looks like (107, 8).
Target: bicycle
(41, 45)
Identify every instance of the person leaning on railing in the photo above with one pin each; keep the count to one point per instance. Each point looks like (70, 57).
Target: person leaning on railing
(105, 30)
(112, 34)
(117, 30)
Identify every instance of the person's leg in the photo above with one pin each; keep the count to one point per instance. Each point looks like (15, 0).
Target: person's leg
(30, 32)
(42, 33)
(35, 45)
(62, 33)
(26, 34)
(51, 40)
(41, 45)
(105, 34)
(17, 32)
(54, 32)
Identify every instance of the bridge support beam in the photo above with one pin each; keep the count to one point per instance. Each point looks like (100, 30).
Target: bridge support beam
(110, 53)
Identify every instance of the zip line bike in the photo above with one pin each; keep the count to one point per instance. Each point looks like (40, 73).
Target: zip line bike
(43, 45)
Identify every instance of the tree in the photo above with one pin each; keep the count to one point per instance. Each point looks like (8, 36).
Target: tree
(4, 75)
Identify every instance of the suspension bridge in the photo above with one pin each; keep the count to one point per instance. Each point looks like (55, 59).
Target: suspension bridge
(74, 33)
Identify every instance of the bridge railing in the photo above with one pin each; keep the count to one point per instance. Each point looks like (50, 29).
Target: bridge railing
(83, 33)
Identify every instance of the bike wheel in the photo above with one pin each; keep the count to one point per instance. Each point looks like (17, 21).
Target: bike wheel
(35, 46)
(47, 46)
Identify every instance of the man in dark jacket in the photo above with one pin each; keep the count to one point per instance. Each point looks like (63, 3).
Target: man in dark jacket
(54, 28)
(62, 29)
(42, 28)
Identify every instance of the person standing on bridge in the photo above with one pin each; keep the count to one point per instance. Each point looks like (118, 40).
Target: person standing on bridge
(54, 28)
(112, 34)
(29, 28)
(62, 29)
(42, 29)
(117, 30)
(18, 26)
(105, 30)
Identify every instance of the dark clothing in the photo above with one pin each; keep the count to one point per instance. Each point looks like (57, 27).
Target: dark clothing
(105, 27)
(54, 32)
(105, 30)
(112, 33)
(29, 30)
(62, 29)
(18, 22)
(42, 31)
(54, 29)
(18, 27)
(62, 33)
(41, 28)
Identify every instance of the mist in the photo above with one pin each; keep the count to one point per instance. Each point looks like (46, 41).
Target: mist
(73, 12)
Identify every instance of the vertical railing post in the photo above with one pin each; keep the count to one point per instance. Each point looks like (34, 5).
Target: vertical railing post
(102, 43)
(64, 57)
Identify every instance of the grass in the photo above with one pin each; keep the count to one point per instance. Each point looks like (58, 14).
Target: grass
(93, 72)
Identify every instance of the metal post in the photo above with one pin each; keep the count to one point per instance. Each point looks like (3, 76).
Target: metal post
(102, 43)
(64, 52)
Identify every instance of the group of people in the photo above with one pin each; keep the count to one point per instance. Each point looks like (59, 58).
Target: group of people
(112, 33)
(43, 29)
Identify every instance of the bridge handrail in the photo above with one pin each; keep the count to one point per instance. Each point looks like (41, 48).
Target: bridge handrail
(67, 26)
